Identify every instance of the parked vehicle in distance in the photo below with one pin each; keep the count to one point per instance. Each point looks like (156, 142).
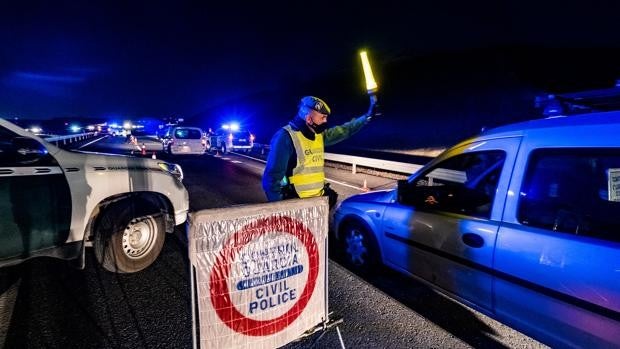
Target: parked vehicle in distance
(226, 139)
(55, 202)
(521, 222)
(184, 140)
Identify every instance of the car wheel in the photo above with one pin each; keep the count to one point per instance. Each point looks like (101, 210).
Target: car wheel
(223, 148)
(359, 247)
(128, 240)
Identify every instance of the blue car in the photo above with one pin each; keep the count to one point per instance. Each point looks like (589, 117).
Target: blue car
(521, 222)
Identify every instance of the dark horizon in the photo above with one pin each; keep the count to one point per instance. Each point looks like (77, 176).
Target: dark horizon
(428, 100)
(116, 59)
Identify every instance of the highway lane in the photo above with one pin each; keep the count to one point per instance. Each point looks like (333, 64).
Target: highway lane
(57, 306)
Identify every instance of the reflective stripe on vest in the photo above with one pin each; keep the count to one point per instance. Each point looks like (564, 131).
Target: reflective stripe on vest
(308, 176)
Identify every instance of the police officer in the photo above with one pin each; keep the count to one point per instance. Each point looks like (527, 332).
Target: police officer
(295, 163)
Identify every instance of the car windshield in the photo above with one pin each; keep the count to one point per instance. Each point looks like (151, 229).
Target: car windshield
(186, 133)
(237, 134)
(242, 134)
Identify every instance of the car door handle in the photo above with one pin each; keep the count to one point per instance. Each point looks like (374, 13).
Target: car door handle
(473, 240)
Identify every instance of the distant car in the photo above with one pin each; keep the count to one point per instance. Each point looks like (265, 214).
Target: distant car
(521, 222)
(55, 203)
(225, 140)
(184, 140)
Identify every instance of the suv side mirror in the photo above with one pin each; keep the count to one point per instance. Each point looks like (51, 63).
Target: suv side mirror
(28, 150)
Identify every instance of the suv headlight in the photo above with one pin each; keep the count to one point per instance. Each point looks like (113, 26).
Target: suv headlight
(174, 169)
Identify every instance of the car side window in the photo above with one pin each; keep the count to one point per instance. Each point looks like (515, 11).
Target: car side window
(463, 184)
(573, 191)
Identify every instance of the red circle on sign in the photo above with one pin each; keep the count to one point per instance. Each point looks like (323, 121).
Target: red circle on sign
(218, 285)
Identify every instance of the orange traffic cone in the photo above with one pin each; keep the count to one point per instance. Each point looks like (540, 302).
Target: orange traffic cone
(143, 149)
(153, 156)
(365, 187)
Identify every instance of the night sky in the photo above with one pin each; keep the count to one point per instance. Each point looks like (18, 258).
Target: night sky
(156, 59)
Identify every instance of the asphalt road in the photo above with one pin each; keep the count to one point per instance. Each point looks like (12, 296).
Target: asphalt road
(53, 305)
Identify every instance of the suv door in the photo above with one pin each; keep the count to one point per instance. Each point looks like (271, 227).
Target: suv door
(35, 200)
(443, 226)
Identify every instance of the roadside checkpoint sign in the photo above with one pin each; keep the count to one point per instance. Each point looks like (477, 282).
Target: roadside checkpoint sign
(258, 273)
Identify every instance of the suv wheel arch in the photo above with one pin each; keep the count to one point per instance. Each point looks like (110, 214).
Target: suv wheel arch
(128, 232)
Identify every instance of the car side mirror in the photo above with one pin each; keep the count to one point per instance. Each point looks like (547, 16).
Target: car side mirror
(411, 195)
(404, 191)
(28, 150)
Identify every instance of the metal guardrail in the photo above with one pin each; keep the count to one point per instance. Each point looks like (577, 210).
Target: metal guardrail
(354, 161)
(398, 167)
(69, 138)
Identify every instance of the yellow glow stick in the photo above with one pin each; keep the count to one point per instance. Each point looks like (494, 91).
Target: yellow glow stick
(371, 84)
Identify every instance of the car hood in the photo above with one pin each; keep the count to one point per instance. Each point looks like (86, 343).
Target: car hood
(97, 161)
(373, 196)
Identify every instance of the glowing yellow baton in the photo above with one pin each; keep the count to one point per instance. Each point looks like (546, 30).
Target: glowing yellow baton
(371, 84)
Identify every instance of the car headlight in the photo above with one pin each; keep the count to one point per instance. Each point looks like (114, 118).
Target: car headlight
(174, 169)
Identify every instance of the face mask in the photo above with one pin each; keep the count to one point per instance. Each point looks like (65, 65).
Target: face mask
(318, 128)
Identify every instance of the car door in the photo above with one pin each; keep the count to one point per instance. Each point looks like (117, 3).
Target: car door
(443, 226)
(35, 201)
(558, 253)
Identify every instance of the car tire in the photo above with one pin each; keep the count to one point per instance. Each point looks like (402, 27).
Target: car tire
(128, 239)
(223, 148)
(359, 247)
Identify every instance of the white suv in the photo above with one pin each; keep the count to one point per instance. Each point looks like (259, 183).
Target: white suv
(55, 202)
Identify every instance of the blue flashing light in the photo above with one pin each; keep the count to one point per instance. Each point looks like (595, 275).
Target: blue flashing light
(75, 128)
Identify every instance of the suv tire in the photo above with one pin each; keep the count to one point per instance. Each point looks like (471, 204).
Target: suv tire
(127, 239)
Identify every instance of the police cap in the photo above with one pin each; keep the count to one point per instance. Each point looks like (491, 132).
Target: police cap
(316, 104)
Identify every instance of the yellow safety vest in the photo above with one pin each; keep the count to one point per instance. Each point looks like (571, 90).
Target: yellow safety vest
(308, 176)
